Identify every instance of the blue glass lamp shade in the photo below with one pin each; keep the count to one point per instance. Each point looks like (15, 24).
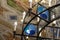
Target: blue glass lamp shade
(30, 30)
(40, 9)
(44, 15)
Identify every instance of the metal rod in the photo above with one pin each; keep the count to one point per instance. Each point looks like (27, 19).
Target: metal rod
(40, 13)
(34, 36)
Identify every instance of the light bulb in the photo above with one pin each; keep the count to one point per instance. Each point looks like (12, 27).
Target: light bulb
(27, 37)
(53, 16)
(50, 2)
(24, 13)
(30, 0)
(15, 23)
